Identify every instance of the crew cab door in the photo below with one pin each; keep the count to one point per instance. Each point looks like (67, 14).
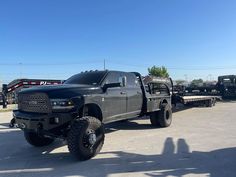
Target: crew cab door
(114, 100)
(134, 95)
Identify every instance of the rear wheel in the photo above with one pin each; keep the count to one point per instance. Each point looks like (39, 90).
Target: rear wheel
(162, 118)
(37, 140)
(85, 138)
(154, 119)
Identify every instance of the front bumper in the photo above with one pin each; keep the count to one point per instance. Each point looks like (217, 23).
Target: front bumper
(36, 121)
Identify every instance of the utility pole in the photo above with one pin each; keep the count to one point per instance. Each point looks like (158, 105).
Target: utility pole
(104, 64)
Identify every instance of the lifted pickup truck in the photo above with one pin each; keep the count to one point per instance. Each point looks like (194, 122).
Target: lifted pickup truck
(77, 109)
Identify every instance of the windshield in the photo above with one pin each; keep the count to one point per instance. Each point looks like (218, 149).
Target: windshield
(87, 78)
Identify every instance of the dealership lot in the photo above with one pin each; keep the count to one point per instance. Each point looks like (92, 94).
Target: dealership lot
(200, 142)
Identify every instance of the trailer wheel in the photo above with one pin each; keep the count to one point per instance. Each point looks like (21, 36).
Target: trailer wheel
(36, 140)
(162, 118)
(209, 103)
(85, 138)
(214, 102)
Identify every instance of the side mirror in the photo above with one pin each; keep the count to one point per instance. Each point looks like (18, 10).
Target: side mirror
(111, 85)
(124, 81)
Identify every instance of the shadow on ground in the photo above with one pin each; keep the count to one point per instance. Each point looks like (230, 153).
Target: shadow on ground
(20, 159)
(181, 107)
(229, 100)
(4, 126)
(128, 125)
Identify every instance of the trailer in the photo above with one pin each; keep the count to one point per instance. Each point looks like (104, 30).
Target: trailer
(17, 85)
(208, 101)
(179, 95)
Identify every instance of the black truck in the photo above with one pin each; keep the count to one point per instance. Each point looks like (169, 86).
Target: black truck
(227, 86)
(77, 110)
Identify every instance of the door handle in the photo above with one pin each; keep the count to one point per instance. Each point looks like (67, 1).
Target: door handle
(122, 93)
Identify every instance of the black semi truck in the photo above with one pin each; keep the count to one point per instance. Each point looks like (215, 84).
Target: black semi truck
(227, 86)
(224, 87)
(77, 109)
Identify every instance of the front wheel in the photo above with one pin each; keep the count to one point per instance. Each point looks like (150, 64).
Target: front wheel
(37, 140)
(162, 118)
(85, 138)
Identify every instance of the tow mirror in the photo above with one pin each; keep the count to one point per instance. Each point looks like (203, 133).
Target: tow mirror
(111, 85)
(124, 81)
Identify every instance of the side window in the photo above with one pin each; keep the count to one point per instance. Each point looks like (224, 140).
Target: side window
(115, 77)
(126, 79)
(112, 78)
(132, 80)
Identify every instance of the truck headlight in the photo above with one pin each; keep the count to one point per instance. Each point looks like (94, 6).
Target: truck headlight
(62, 104)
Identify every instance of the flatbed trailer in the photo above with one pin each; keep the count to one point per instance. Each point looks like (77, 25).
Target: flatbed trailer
(208, 101)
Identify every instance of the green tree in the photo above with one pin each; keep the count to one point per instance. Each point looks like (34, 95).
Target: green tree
(180, 82)
(197, 82)
(158, 71)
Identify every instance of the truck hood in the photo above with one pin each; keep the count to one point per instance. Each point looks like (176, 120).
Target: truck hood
(64, 90)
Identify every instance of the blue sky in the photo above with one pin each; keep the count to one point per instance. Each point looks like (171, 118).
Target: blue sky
(55, 39)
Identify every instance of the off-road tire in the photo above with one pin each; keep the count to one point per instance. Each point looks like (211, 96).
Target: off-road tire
(154, 119)
(162, 118)
(78, 136)
(37, 140)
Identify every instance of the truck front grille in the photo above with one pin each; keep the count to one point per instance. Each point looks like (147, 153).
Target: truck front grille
(36, 102)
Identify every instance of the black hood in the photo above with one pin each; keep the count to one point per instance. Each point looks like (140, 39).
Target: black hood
(64, 90)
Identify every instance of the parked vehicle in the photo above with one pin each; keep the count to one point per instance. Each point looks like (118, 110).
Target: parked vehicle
(17, 85)
(1, 98)
(77, 109)
(227, 86)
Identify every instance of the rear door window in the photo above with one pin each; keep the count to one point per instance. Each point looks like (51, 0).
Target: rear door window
(132, 80)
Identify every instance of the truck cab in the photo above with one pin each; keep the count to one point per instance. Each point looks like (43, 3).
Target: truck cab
(227, 86)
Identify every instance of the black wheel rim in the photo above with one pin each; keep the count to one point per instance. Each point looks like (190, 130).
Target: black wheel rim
(92, 138)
